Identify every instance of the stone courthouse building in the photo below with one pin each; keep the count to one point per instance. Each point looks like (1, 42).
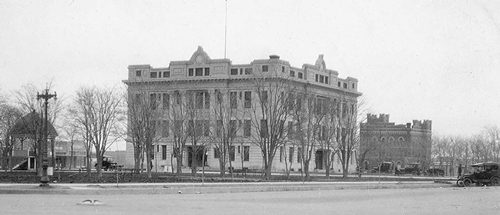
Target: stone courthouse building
(400, 144)
(203, 79)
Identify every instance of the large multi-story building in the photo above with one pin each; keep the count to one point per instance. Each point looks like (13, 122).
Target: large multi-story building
(400, 144)
(203, 78)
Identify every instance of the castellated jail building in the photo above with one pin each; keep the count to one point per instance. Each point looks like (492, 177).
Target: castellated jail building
(211, 88)
(400, 144)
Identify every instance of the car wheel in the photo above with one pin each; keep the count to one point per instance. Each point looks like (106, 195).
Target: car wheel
(467, 182)
(495, 181)
(460, 183)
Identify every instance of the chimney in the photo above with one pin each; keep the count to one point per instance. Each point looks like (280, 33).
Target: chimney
(274, 57)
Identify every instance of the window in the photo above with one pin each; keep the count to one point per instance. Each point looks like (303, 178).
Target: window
(152, 75)
(190, 128)
(338, 84)
(246, 153)
(281, 153)
(290, 155)
(321, 79)
(345, 85)
(326, 80)
(166, 101)
(290, 130)
(138, 73)
(190, 72)
(299, 155)
(353, 86)
(232, 128)
(263, 128)
(300, 75)
(218, 128)
(166, 74)
(178, 98)
(241, 71)
(207, 71)
(165, 128)
(292, 73)
(138, 98)
(248, 99)
(265, 68)
(264, 97)
(233, 102)
(163, 152)
(232, 153)
(152, 101)
(248, 71)
(282, 69)
(206, 128)
(316, 77)
(216, 152)
(234, 71)
(247, 128)
(198, 72)
(201, 100)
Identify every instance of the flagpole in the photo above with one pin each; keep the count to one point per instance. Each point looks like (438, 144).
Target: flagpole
(225, 33)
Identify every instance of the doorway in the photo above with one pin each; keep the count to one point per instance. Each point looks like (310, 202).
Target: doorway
(195, 154)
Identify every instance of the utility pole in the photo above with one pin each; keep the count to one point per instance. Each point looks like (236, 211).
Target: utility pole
(44, 179)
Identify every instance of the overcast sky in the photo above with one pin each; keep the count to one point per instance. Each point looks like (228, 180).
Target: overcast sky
(422, 59)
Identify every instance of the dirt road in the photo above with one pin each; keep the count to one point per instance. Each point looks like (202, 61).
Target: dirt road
(446, 200)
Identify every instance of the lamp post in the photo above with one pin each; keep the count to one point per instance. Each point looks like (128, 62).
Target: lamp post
(45, 96)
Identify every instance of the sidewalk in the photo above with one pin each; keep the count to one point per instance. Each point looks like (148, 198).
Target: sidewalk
(198, 188)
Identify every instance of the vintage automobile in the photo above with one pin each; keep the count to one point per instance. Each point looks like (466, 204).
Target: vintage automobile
(483, 174)
(434, 172)
(413, 168)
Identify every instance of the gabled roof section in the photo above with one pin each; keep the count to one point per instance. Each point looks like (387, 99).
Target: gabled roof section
(200, 56)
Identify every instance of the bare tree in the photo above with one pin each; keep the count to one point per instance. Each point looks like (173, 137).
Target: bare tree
(308, 121)
(144, 126)
(178, 115)
(349, 132)
(8, 117)
(26, 99)
(100, 113)
(269, 116)
(226, 117)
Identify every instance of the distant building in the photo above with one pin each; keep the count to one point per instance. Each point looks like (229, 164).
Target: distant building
(401, 144)
(207, 78)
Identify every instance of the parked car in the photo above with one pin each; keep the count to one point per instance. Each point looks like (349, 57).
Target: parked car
(107, 164)
(483, 174)
(385, 167)
(413, 168)
(435, 172)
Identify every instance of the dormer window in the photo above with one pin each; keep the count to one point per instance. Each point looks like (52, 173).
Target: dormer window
(265, 68)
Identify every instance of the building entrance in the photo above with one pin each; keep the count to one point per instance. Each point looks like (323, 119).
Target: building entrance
(195, 154)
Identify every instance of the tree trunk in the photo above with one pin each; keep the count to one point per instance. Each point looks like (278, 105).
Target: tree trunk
(71, 163)
(305, 167)
(179, 164)
(222, 166)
